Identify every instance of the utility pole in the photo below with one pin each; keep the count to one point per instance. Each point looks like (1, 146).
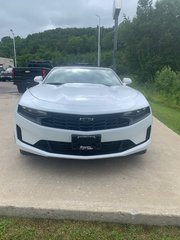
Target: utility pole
(14, 46)
(99, 42)
(116, 11)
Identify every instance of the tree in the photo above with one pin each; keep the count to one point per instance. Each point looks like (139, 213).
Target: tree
(144, 8)
(149, 41)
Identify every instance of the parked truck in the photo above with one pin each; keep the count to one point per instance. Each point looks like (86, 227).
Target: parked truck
(23, 77)
(6, 63)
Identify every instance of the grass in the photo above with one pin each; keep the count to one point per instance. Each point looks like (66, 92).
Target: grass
(169, 116)
(32, 229)
(163, 109)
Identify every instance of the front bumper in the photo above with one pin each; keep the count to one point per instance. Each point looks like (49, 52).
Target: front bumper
(51, 142)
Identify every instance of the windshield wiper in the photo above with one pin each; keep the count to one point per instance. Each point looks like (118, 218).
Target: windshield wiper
(56, 84)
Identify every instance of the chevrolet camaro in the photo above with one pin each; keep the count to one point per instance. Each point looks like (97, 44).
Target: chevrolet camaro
(82, 113)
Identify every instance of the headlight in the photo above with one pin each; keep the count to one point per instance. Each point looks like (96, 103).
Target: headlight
(137, 115)
(31, 114)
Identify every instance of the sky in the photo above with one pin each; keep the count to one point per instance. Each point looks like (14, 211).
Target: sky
(31, 16)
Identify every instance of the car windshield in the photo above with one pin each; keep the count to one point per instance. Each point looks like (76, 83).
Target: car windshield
(9, 70)
(59, 76)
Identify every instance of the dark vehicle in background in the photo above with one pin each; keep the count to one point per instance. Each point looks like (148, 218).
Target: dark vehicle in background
(6, 75)
(23, 77)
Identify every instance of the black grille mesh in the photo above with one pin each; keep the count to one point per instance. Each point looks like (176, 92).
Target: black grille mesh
(84, 123)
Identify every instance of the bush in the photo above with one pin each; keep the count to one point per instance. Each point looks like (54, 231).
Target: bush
(165, 80)
(167, 83)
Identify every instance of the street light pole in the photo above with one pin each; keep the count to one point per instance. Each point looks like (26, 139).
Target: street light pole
(14, 45)
(115, 41)
(99, 42)
(116, 11)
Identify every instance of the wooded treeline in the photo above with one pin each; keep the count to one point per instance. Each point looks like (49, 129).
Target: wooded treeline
(146, 44)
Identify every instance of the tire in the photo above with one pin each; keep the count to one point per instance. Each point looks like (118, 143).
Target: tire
(24, 152)
(21, 88)
(142, 152)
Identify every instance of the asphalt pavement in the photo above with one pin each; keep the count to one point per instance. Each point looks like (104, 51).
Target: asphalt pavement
(140, 189)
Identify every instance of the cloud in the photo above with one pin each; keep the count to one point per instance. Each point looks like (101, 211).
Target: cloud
(30, 16)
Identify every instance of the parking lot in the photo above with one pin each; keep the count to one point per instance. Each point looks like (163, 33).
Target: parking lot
(136, 189)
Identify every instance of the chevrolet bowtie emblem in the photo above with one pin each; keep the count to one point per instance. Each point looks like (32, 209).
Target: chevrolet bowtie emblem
(86, 119)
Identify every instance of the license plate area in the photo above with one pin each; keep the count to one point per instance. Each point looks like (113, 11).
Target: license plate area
(86, 142)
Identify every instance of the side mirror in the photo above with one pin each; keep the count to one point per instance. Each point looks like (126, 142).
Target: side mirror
(127, 81)
(38, 79)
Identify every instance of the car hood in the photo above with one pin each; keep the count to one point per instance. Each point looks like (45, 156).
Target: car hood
(84, 98)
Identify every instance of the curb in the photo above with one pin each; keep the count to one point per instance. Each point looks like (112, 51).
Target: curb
(113, 217)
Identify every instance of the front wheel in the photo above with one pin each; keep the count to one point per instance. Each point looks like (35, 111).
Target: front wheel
(142, 152)
(21, 88)
(24, 152)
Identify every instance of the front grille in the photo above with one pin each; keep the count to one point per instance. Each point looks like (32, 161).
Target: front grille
(67, 149)
(85, 123)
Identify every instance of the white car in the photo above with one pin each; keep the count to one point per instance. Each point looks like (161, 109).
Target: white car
(82, 113)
